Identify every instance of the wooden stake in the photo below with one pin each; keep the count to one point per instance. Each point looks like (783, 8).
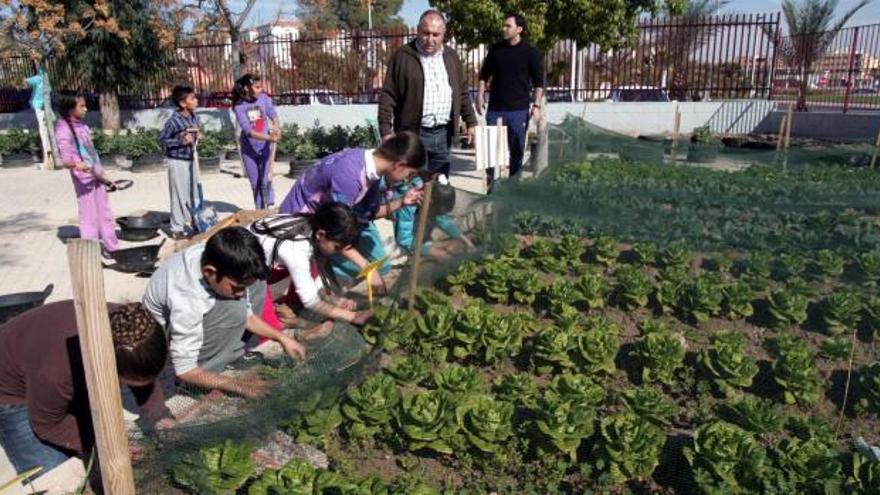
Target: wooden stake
(781, 136)
(676, 132)
(788, 122)
(99, 361)
(502, 170)
(876, 150)
(420, 239)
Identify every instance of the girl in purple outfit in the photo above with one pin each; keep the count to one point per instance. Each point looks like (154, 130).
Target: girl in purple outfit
(260, 128)
(79, 156)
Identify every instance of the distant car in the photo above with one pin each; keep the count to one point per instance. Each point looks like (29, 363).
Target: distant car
(628, 94)
(557, 94)
(865, 91)
(369, 97)
(311, 97)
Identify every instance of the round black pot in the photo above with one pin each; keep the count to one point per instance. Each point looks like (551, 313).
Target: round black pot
(209, 164)
(148, 163)
(702, 152)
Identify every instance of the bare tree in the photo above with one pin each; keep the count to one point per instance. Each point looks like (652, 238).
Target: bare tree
(234, 23)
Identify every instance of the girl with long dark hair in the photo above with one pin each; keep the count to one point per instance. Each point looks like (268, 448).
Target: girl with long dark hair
(302, 244)
(79, 156)
(260, 129)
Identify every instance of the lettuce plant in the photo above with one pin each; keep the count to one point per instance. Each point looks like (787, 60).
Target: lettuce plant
(463, 277)
(795, 371)
(757, 272)
(651, 404)
(865, 477)
(790, 266)
(726, 459)
(485, 422)
(433, 327)
(370, 406)
(457, 380)
(577, 388)
(426, 421)
(469, 324)
(812, 465)
(676, 256)
(408, 370)
(561, 425)
(841, 311)
(633, 287)
(828, 264)
(543, 252)
(313, 427)
(297, 477)
(517, 388)
(836, 348)
(738, 300)
(869, 267)
(788, 307)
(525, 286)
(628, 447)
(721, 263)
(669, 290)
(559, 295)
(702, 298)
(592, 289)
(494, 278)
(869, 387)
(502, 337)
(646, 252)
(215, 469)
(871, 314)
(595, 348)
(661, 354)
(726, 363)
(571, 249)
(651, 325)
(604, 250)
(426, 297)
(759, 416)
(551, 349)
(395, 325)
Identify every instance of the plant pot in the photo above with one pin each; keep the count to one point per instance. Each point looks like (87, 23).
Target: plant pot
(233, 155)
(114, 160)
(702, 152)
(152, 162)
(209, 164)
(19, 160)
(284, 158)
(297, 167)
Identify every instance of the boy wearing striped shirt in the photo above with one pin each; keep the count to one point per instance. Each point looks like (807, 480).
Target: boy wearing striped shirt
(178, 137)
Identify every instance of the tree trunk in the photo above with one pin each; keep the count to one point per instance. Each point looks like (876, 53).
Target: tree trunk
(802, 91)
(54, 161)
(235, 42)
(109, 104)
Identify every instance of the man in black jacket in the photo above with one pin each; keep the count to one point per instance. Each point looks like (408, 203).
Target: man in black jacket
(425, 92)
(513, 68)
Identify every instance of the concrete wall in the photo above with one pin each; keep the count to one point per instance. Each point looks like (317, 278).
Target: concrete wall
(738, 117)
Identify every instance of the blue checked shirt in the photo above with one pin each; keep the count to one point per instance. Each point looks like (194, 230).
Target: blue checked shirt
(170, 137)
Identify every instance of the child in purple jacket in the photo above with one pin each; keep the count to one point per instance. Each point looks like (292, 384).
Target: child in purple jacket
(260, 128)
(355, 177)
(79, 156)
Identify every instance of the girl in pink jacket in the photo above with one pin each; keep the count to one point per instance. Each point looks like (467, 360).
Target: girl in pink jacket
(79, 156)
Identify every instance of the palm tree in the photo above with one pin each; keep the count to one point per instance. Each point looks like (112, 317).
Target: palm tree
(811, 29)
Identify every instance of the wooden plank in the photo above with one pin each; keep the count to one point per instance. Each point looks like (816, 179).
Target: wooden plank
(99, 362)
(503, 169)
(876, 150)
(676, 133)
(780, 139)
(788, 122)
(420, 239)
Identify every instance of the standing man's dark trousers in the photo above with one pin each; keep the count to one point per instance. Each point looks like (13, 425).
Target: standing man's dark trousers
(517, 121)
(437, 141)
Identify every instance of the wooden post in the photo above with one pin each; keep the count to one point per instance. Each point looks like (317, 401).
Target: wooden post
(676, 132)
(420, 239)
(876, 150)
(99, 361)
(502, 170)
(781, 136)
(788, 122)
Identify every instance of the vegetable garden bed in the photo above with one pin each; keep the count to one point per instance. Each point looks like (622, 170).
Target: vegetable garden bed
(718, 337)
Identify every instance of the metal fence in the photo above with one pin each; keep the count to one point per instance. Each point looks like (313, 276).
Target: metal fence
(722, 57)
(845, 77)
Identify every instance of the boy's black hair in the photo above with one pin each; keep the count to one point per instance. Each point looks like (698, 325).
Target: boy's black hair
(139, 342)
(520, 21)
(239, 90)
(405, 147)
(179, 93)
(442, 200)
(237, 254)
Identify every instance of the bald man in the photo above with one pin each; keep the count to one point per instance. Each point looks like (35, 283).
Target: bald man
(425, 92)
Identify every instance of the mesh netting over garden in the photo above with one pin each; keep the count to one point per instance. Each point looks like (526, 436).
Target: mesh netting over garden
(626, 322)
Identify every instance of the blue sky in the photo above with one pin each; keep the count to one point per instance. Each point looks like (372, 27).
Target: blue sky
(267, 10)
